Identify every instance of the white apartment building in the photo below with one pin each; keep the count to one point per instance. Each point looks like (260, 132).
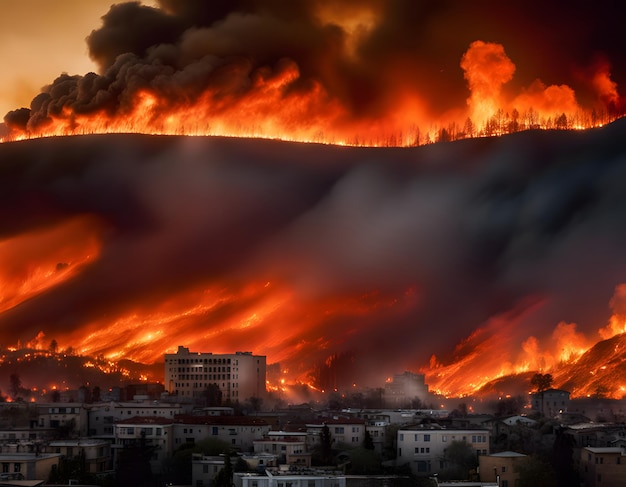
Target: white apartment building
(424, 448)
(239, 376)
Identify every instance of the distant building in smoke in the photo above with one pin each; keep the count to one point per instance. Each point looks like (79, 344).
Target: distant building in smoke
(197, 376)
(550, 402)
(404, 389)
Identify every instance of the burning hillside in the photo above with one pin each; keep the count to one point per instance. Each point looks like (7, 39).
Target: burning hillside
(511, 248)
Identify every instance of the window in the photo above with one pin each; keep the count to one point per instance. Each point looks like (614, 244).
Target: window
(17, 467)
(5, 467)
(503, 468)
(401, 436)
(339, 430)
(444, 438)
(426, 437)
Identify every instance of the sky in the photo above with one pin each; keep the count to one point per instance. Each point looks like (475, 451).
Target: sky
(319, 254)
(42, 39)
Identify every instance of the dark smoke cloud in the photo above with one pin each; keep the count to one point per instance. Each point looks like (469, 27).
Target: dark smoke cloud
(186, 46)
(418, 246)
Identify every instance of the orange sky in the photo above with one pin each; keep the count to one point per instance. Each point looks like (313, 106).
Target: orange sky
(41, 39)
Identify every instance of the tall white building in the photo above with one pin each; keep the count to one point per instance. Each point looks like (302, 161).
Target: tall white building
(239, 376)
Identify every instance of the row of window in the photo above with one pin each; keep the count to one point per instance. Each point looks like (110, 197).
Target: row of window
(427, 438)
(340, 430)
(202, 369)
(203, 361)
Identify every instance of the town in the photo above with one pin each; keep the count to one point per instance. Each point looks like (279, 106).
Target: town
(212, 423)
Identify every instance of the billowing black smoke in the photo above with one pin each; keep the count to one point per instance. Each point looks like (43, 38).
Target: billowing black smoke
(188, 46)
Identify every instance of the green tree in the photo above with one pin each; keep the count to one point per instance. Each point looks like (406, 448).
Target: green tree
(224, 477)
(364, 462)
(541, 382)
(536, 472)
(459, 460)
(133, 465)
(326, 452)
(368, 442)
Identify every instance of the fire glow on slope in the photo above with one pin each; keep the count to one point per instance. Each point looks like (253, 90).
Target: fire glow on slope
(304, 252)
(35, 261)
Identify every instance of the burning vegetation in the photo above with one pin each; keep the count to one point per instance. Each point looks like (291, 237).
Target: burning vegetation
(312, 72)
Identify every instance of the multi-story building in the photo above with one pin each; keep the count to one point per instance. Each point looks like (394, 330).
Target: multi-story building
(604, 467)
(424, 448)
(405, 389)
(239, 376)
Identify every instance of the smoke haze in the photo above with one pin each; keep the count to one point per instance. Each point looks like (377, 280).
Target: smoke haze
(302, 251)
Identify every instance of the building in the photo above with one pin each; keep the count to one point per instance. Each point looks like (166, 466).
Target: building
(290, 447)
(103, 416)
(605, 467)
(349, 431)
(423, 448)
(239, 376)
(550, 402)
(153, 432)
(95, 453)
(500, 467)
(404, 389)
(239, 432)
(66, 418)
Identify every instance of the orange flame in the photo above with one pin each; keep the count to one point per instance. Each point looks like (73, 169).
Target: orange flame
(281, 103)
(39, 260)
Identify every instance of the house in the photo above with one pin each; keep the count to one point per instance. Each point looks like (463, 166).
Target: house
(349, 431)
(500, 467)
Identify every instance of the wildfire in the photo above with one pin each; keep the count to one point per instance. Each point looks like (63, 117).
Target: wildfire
(279, 103)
